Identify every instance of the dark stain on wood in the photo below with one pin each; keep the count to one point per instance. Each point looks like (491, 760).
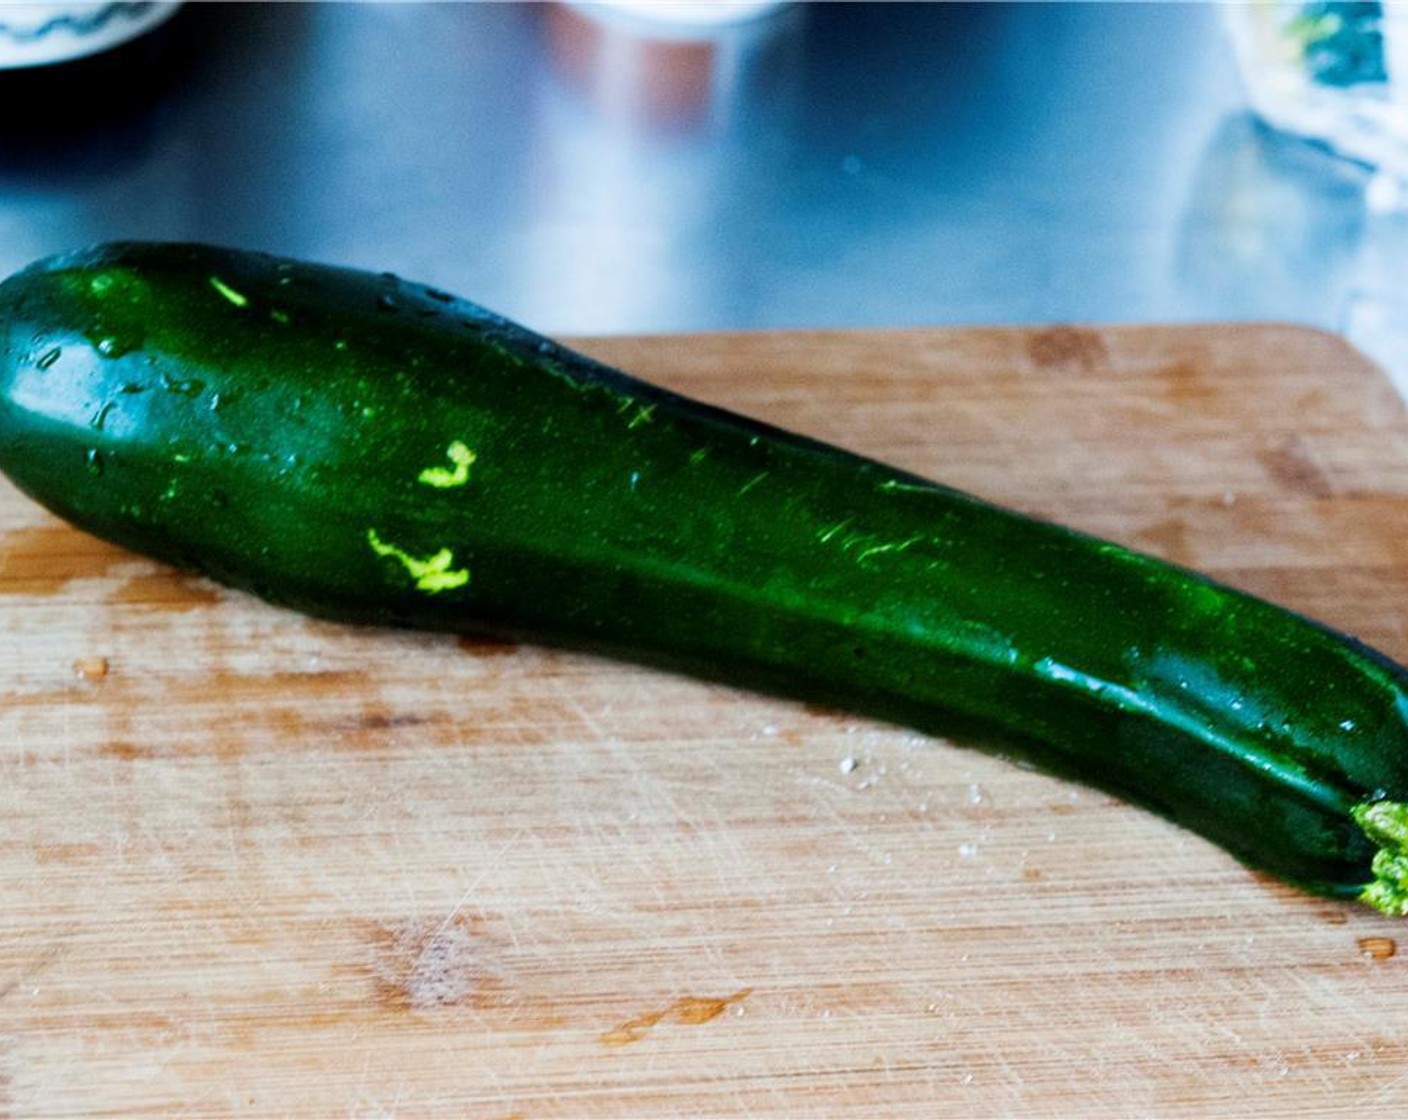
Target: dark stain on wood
(45, 559)
(124, 751)
(1292, 467)
(278, 710)
(486, 645)
(1067, 347)
(1169, 539)
(168, 589)
(1183, 380)
(826, 712)
(379, 719)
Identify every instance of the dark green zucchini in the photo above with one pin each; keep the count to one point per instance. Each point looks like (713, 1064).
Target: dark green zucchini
(366, 449)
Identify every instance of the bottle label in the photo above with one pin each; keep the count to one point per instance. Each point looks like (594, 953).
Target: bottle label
(43, 34)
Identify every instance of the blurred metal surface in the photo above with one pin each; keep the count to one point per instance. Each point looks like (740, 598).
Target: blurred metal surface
(832, 165)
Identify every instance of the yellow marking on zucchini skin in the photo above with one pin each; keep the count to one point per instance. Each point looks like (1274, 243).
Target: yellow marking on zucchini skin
(432, 574)
(237, 298)
(1386, 824)
(443, 479)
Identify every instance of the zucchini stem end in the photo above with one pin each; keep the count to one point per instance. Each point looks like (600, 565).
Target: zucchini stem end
(1386, 824)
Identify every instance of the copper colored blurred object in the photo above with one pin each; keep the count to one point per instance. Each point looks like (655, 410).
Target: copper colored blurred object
(654, 73)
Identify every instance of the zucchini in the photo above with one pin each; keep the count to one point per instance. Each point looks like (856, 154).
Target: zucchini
(370, 450)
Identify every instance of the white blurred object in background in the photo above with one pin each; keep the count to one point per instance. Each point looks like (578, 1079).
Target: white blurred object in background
(46, 34)
(683, 14)
(1333, 72)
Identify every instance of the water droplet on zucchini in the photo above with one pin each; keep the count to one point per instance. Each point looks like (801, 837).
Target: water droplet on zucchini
(114, 346)
(182, 386)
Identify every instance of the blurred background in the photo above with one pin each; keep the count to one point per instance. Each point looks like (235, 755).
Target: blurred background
(594, 169)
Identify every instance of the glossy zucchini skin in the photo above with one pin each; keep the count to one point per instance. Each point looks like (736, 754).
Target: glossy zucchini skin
(370, 450)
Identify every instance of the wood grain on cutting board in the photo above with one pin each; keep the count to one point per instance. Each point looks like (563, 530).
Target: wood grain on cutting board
(251, 863)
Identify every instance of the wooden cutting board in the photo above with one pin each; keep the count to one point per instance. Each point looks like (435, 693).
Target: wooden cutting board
(255, 864)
